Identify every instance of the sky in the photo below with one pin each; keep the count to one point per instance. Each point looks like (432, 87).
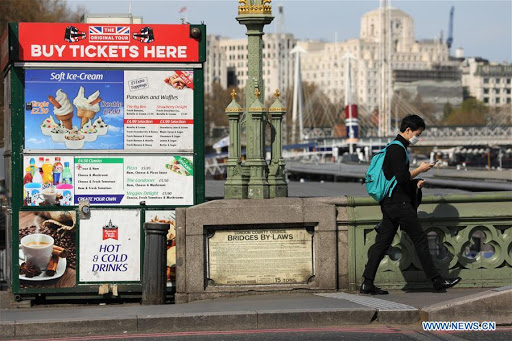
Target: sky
(482, 27)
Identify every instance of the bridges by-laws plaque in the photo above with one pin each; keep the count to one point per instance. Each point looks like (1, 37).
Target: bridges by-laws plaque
(259, 256)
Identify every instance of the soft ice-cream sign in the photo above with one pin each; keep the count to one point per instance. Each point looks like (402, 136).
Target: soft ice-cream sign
(74, 109)
(80, 109)
(116, 43)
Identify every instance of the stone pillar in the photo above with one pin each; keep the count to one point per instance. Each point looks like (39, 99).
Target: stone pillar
(276, 178)
(258, 185)
(154, 278)
(236, 183)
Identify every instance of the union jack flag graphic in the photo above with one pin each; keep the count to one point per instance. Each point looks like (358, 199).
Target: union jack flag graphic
(109, 34)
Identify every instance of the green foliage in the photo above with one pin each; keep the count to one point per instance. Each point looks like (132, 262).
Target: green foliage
(37, 11)
(447, 109)
(470, 113)
(215, 103)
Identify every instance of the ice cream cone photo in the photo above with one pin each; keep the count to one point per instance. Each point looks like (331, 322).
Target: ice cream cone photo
(66, 120)
(85, 115)
(63, 109)
(87, 107)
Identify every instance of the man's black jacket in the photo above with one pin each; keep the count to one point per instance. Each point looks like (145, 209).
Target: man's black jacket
(396, 164)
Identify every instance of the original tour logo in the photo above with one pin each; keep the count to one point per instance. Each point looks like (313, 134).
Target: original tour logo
(110, 231)
(109, 34)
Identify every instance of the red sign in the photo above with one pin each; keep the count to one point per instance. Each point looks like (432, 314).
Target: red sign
(110, 233)
(156, 121)
(107, 43)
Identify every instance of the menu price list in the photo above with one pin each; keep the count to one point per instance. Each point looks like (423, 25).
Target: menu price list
(159, 134)
(158, 180)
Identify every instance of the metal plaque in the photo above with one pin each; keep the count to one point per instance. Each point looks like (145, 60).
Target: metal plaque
(259, 256)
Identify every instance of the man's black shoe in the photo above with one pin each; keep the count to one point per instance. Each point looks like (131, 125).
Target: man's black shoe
(445, 283)
(371, 290)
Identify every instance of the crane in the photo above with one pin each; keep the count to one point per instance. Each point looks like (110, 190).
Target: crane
(449, 41)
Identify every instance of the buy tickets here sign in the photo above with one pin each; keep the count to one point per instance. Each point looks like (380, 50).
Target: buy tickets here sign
(107, 42)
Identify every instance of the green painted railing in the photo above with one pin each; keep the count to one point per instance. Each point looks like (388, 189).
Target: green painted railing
(469, 236)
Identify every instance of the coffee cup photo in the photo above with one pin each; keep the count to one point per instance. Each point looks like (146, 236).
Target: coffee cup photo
(37, 249)
(50, 194)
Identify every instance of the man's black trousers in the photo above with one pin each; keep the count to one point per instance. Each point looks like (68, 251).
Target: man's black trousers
(405, 216)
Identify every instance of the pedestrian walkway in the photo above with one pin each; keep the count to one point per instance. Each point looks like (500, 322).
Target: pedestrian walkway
(265, 311)
(504, 175)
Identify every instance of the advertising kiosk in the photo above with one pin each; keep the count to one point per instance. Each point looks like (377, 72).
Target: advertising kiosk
(103, 132)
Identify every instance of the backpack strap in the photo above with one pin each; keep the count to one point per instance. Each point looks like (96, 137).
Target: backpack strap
(392, 187)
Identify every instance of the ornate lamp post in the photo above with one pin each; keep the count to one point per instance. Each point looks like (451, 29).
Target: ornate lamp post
(276, 179)
(250, 180)
(254, 14)
(258, 184)
(236, 183)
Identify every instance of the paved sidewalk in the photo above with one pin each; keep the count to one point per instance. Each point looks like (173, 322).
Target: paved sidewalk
(299, 310)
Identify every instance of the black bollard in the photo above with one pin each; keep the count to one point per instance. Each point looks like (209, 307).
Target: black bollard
(154, 279)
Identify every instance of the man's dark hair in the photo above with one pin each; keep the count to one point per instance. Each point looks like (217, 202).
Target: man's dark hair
(412, 121)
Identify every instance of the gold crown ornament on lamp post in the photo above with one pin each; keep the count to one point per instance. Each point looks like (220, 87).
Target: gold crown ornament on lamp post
(254, 7)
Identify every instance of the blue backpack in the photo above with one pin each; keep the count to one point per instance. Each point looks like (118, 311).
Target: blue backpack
(376, 183)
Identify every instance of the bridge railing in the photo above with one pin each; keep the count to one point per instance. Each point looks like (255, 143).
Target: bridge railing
(469, 236)
(467, 132)
(436, 135)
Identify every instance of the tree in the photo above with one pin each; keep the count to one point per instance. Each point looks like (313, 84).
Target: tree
(37, 10)
(215, 103)
(28, 11)
(470, 113)
(447, 110)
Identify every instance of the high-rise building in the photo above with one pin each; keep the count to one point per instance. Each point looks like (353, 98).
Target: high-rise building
(325, 62)
(490, 83)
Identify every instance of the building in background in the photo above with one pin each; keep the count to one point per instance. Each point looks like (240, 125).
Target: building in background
(487, 82)
(216, 70)
(437, 86)
(227, 62)
(324, 63)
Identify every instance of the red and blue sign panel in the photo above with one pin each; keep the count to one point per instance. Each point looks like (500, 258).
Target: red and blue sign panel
(78, 42)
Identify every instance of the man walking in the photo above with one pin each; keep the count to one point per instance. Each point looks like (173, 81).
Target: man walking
(400, 209)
